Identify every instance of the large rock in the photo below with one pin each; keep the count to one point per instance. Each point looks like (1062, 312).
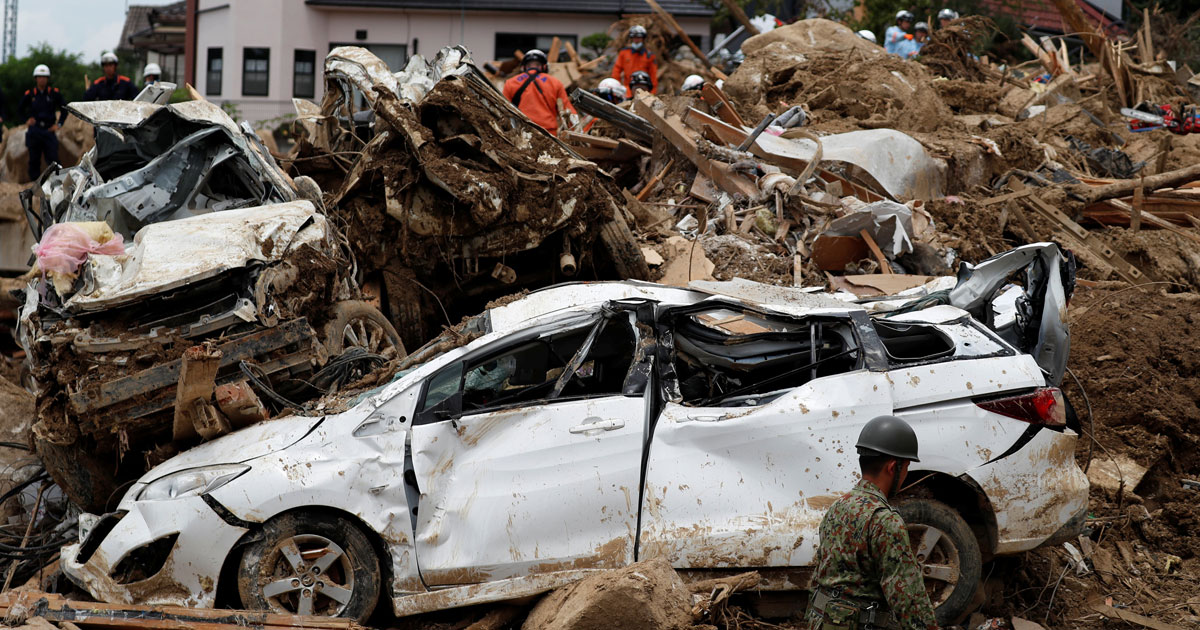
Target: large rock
(647, 595)
(810, 35)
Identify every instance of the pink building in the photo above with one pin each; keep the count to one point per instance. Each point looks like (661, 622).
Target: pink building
(259, 54)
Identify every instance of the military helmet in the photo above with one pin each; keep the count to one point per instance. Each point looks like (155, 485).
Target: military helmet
(888, 436)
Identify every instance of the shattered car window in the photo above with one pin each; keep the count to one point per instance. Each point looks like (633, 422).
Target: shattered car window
(531, 371)
(913, 342)
(732, 357)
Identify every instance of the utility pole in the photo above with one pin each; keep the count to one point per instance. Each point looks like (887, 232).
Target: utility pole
(10, 30)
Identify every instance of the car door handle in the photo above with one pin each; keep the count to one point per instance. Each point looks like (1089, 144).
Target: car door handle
(706, 418)
(598, 425)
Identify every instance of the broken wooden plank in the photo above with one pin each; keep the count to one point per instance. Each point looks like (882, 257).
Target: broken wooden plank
(1125, 269)
(1153, 219)
(197, 382)
(738, 14)
(623, 119)
(555, 46)
(673, 130)
(1125, 615)
(55, 608)
(1135, 211)
(645, 191)
(670, 20)
(720, 105)
(878, 253)
(1006, 197)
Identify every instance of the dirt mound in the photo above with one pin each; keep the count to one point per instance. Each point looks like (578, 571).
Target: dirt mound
(949, 51)
(1134, 352)
(646, 595)
(817, 34)
(858, 88)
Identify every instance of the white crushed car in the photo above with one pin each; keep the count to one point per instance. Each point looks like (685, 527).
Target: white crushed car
(586, 426)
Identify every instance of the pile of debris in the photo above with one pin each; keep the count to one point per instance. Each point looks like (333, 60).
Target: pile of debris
(416, 197)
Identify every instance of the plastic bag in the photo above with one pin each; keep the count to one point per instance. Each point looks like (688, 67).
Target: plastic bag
(65, 246)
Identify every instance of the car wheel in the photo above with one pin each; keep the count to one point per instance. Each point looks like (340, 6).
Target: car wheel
(310, 564)
(948, 555)
(356, 324)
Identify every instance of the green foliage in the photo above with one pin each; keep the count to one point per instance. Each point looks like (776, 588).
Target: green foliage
(232, 109)
(180, 95)
(69, 72)
(596, 42)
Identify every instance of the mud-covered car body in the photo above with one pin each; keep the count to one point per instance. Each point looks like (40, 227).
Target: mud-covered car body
(465, 199)
(220, 245)
(585, 426)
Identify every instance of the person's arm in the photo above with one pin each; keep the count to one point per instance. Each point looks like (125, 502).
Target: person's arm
(92, 92)
(61, 104)
(618, 72)
(23, 106)
(900, 576)
(560, 92)
(510, 88)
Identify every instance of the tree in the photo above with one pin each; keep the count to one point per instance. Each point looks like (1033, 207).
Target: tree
(68, 72)
(596, 42)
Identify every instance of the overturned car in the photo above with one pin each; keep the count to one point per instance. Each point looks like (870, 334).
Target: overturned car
(178, 230)
(585, 426)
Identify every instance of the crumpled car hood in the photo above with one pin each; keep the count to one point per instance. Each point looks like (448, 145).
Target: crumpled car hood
(167, 255)
(240, 446)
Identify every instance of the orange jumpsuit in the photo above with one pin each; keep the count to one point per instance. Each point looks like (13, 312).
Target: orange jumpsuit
(630, 61)
(539, 101)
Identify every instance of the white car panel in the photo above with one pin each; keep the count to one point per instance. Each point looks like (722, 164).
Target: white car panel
(747, 486)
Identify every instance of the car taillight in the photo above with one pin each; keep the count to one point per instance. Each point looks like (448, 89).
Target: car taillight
(1044, 406)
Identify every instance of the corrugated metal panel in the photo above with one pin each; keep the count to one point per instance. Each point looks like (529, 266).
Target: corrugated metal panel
(676, 7)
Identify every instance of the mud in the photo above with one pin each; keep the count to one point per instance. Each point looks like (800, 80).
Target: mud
(647, 595)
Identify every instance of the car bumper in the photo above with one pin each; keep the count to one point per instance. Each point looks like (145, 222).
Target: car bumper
(188, 573)
(1036, 493)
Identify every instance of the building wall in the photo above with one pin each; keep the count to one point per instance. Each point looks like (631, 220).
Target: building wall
(284, 26)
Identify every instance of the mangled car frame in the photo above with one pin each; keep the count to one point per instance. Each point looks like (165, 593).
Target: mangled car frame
(459, 197)
(584, 426)
(178, 230)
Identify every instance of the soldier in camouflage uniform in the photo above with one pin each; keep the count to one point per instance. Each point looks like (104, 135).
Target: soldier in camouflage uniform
(866, 576)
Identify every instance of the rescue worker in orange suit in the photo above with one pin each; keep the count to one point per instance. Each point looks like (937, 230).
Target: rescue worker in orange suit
(636, 58)
(111, 86)
(45, 110)
(537, 94)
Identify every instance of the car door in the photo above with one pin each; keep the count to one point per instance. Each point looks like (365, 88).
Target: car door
(527, 455)
(743, 480)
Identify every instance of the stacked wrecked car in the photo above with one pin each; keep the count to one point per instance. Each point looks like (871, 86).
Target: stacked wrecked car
(178, 230)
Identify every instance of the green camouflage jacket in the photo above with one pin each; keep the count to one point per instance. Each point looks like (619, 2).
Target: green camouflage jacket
(865, 551)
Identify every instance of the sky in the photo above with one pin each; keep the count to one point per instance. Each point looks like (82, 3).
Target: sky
(83, 26)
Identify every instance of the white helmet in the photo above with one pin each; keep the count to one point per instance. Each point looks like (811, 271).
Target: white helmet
(612, 86)
(41, 70)
(905, 16)
(947, 14)
(637, 30)
(868, 35)
(692, 82)
(108, 58)
(152, 68)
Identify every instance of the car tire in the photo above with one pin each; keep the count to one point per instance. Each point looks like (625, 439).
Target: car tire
(283, 569)
(953, 567)
(358, 324)
(623, 249)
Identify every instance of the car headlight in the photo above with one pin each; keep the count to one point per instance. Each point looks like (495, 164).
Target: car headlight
(195, 481)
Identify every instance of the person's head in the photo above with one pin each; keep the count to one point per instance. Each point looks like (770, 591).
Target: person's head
(693, 83)
(946, 16)
(886, 445)
(904, 19)
(640, 81)
(921, 31)
(108, 63)
(41, 76)
(611, 90)
(637, 36)
(151, 73)
(534, 61)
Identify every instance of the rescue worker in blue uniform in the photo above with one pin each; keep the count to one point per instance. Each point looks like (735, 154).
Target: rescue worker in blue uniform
(45, 110)
(111, 86)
